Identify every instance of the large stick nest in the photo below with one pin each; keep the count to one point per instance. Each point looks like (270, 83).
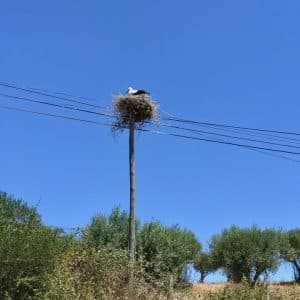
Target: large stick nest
(129, 109)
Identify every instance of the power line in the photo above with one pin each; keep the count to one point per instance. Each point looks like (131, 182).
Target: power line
(225, 135)
(52, 92)
(48, 95)
(230, 126)
(220, 142)
(256, 134)
(256, 150)
(163, 125)
(52, 115)
(157, 132)
(61, 93)
(240, 131)
(55, 105)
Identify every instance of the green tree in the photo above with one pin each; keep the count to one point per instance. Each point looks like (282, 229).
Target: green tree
(204, 264)
(248, 253)
(16, 212)
(109, 231)
(291, 250)
(162, 249)
(28, 249)
(167, 250)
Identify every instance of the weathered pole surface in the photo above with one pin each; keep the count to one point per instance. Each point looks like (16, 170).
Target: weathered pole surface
(132, 193)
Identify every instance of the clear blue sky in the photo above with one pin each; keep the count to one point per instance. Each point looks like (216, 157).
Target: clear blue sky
(236, 62)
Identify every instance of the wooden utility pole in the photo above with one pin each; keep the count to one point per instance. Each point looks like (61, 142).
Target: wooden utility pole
(129, 110)
(132, 193)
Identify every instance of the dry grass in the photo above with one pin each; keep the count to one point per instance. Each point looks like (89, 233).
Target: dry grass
(133, 109)
(211, 287)
(211, 291)
(284, 291)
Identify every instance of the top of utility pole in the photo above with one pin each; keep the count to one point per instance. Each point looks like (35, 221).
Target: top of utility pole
(133, 108)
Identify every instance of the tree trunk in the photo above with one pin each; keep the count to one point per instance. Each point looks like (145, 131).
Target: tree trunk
(171, 288)
(255, 279)
(296, 270)
(132, 194)
(202, 276)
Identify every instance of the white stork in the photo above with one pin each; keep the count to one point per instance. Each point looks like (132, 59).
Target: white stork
(134, 92)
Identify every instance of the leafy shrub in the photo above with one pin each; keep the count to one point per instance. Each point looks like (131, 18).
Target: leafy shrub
(28, 249)
(239, 292)
(88, 273)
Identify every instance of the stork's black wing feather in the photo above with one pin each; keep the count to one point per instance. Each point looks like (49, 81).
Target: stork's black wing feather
(141, 92)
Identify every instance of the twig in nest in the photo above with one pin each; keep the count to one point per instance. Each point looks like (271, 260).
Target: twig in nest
(138, 110)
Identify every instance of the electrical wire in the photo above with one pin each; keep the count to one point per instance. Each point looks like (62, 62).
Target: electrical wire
(220, 142)
(225, 135)
(240, 132)
(256, 134)
(52, 115)
(61, 93)
(164, 125)
(52, 92)
(55, 105)
(161, 124)
(157, 132)
(48, 95)
(231, 126)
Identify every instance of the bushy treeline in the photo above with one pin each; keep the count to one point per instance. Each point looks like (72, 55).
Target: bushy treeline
(41, 262)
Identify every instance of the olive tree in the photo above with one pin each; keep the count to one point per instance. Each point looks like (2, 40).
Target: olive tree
(291, 250)
(167, 249)
(204, 264)
(248, 253)
(108, 230)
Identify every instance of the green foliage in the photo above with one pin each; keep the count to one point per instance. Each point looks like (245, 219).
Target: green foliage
(291, 250)
(247, 253)
(204, 264)
(88, 273)
(242, 291)
(110, 231)
(38, 262)
(27, 249)
(16, 212)
(167, 249)
(239, 292)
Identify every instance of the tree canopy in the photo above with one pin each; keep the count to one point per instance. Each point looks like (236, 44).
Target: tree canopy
(291, 250)
(169, 249)
(27, 248)
(110, 231)
(248, 253)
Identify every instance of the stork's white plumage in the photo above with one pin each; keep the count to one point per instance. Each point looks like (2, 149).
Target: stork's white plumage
(135, 92)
